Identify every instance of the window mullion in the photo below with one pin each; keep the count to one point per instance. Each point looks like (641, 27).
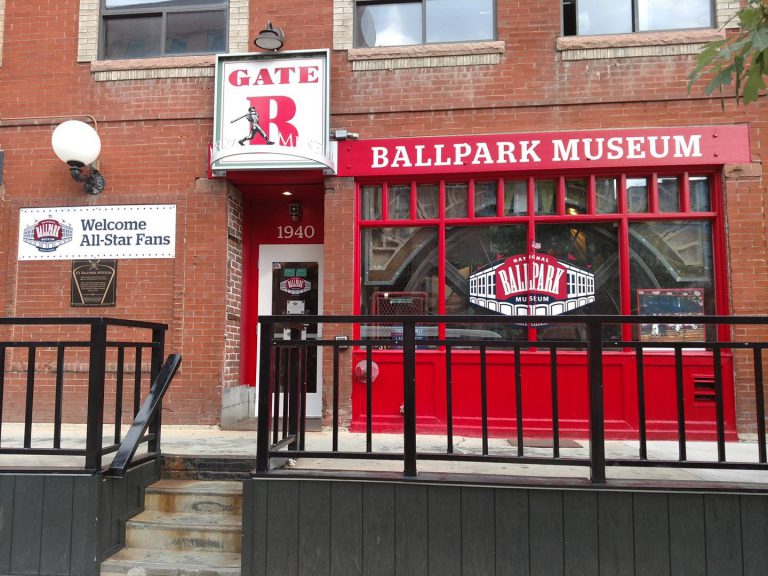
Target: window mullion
(635, 17)
(163, 31)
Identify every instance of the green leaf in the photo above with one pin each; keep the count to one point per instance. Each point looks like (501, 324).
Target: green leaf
(724, 78)
(760, 39)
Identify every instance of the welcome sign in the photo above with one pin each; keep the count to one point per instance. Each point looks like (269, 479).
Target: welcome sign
(95, 232)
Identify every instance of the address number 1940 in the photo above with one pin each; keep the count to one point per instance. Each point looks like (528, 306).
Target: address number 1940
(288, 232)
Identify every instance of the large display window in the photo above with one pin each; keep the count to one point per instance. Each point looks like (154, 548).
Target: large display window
(616, 244)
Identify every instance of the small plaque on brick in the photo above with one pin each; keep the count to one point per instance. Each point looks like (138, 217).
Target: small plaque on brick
(93, 282)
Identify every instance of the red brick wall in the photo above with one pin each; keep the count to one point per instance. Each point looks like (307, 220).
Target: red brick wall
(155, 135)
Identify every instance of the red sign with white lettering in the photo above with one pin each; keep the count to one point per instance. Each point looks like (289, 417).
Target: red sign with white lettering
(688, 146)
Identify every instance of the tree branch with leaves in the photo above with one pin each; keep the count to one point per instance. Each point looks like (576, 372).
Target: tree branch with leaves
(740, 60)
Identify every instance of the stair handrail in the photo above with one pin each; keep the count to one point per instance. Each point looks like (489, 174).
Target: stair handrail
(149, 408)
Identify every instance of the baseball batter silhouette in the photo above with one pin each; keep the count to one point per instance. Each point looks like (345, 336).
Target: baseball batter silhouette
(253, 120)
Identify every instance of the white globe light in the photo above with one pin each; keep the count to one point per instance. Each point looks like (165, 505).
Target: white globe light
(75, 141)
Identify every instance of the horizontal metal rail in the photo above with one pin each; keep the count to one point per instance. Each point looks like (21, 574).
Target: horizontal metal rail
(91, 351)
(284, 383)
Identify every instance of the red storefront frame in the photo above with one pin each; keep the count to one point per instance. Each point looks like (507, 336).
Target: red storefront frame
(622, 153)
(621, 385)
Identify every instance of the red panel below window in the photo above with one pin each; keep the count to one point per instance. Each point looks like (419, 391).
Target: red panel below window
(620, 393)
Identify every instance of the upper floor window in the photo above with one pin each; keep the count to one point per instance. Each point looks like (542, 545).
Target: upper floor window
(588, 17)
(149, 28)
(407, 22)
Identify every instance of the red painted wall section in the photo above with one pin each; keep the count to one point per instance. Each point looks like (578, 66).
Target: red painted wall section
(620, 385)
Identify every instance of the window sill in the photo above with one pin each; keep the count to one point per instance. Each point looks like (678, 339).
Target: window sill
(153, 68)
(426, 55)
(671, 43)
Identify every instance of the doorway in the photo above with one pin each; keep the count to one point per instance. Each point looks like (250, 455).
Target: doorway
(291, 283)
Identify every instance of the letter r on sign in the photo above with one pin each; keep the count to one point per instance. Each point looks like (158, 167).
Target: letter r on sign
(277, 111)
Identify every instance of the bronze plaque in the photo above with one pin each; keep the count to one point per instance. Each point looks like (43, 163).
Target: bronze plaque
(93, 282)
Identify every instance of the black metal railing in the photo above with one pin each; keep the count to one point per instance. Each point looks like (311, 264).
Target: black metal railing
(66, 369)
(283, 386)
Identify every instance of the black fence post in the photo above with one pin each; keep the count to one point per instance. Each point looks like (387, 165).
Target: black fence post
(96, 369)
(158, 354)
(293, 389)
(596, 401)
(409, 398)
(265, 397)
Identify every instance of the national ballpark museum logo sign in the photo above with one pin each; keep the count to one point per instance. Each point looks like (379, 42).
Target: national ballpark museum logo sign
(47, 234)
(295, 285)
(531, 285)
(272, 112)
(96, 232)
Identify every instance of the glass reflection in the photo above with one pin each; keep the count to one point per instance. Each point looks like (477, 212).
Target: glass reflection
(600, 17)
(389, 24)
(665, 15)
(459, 20)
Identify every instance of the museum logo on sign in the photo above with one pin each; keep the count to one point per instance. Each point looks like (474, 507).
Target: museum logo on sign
(531, 285)
(295, 285)
(48, 234)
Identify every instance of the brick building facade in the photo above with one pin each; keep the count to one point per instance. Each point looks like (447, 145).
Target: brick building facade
(155, 117)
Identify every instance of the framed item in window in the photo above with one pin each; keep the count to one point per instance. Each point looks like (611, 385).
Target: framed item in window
(684, 302)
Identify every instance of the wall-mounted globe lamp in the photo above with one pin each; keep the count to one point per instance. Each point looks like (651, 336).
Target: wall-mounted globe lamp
(79, 145)
(270, 38)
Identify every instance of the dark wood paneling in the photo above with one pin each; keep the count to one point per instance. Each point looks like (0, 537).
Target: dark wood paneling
(388, 529)
(85, 525)
(59, 525)
(616, 534)
(580, 537)
(7, 488)
(411, 529)
(478, 538)
(754, 531)
(651, 513)
(512, 539)
(445, 531)
(255, 506)
(119, 505)
(686, 535)
(282, 532)
(378, 529)
(722, 517)
(546, 537)
(105, 515)
(314, 529)
(346, 528)
(56, 548)
(27, 524)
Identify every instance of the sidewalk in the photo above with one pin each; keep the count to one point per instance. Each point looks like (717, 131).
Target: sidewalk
(211, 441)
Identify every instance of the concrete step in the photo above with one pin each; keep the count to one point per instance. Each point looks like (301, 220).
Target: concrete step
(208, 532)
(223, 497)
(153, 562)
(186, 467)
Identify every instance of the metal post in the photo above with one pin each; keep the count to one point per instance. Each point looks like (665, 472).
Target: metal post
(96, 368)
(294, 390)
(596, 408)
(265, 397)
(158, 354)
(409, 399)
